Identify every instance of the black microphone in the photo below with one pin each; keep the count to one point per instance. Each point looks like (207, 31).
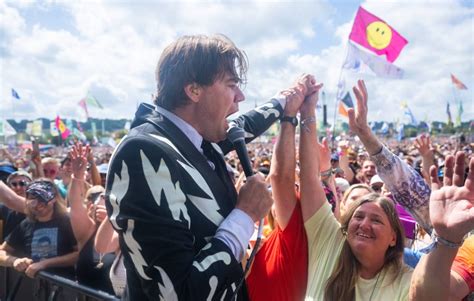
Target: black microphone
(236, 135)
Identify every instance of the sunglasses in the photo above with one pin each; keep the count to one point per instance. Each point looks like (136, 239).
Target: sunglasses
(49, 171)
(19, 184)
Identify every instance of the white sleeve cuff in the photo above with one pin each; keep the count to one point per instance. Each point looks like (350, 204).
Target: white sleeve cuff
(235, 231)
(281, 99)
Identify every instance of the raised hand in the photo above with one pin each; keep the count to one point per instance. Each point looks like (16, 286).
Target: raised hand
(452, 204)
(324, 155)
(311, 99)
(79, 155)
(423, 145)
(358, 116)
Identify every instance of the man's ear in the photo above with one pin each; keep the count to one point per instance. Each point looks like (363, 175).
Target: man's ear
(193, 91)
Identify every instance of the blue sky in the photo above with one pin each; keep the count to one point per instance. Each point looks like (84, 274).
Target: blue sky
(55, 52)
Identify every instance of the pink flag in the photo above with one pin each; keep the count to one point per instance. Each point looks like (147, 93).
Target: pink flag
(459, 84)
(374, 34)
(65, 132)
(82, 103)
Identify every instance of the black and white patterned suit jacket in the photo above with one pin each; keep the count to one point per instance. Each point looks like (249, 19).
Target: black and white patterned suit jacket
(166, 203)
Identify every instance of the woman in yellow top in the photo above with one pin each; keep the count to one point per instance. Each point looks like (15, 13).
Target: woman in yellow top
(360, 259)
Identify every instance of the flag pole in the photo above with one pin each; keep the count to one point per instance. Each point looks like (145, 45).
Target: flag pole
(337, 98)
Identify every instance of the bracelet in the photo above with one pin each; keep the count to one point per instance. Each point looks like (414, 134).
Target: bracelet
(305, 121)
(326, 173)
(77, 179)
(438, 239)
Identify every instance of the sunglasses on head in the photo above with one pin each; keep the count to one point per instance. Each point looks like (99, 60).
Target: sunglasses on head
(19, 184)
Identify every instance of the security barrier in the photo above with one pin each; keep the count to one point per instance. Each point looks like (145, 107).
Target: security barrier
(15, 286)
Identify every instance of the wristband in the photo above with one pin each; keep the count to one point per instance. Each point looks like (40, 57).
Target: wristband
(439, 240)
(305, 121)
(326, 173)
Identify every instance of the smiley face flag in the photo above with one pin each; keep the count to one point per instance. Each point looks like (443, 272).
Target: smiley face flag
(374, 34)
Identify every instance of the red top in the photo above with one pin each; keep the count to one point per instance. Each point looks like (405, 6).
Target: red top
(280, 268)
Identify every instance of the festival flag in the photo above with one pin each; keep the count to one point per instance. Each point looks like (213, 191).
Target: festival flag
(345, 103)
(360, 61)
(347, 100)
(37, 128)
(65, 132)
(15, 94)
(408, 114)
(92, 101)
(29, 127)
(342, 110)
(460, 111)
(448, 111)
(6, 129)
(82, 103)
(53, 130)
(376, 35)
(401, 132)
(384, 129)
(94, 129)
(458, 83)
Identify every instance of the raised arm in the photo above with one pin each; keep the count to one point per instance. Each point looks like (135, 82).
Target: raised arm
(344, 161)
(312, 192)
(282, 169)
(94, 172)
(82, 225)
(424, 147)
(257, 121)
(106, 239)
(407, 186)
(10, 199)
(452, 215)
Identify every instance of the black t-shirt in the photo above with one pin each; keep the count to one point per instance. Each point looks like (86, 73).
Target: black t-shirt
(10, 218)
(92, 268)
(42, 240)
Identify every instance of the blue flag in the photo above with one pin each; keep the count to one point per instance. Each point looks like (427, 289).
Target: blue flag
(15, 94)
(401, 132)
(347, 100)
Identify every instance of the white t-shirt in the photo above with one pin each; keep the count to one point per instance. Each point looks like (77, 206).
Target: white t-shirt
(325, 242)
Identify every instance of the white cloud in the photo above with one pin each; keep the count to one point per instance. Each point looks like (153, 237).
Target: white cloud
(111, 49)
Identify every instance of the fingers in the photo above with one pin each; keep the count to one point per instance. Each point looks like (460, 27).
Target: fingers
(469, 184)
(435, 184)
(324, 145)
(448, 171)
(458, 178)
(352, 121)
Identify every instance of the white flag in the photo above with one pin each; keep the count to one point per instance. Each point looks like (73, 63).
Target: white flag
(363, 62)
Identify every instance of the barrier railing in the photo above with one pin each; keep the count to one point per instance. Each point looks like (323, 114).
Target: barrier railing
(15, 286)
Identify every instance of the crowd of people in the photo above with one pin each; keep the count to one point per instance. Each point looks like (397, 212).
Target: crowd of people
(171, 214)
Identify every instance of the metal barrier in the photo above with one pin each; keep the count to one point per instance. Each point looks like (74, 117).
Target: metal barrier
(15, 286)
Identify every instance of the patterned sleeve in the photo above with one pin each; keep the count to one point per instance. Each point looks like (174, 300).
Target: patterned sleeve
(148, 205)
(408, 187)
(255, 122)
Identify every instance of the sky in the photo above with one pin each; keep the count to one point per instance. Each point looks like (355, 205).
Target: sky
(53, 53)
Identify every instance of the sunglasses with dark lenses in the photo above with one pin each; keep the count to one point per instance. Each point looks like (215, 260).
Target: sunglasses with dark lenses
(49, 171)
(19, 184)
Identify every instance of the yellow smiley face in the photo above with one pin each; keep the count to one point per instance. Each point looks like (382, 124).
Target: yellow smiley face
(379, 35)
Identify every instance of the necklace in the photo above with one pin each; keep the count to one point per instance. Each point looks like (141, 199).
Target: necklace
(373, 290)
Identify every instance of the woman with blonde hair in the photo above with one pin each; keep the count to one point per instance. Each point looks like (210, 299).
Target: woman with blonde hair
(352, 194)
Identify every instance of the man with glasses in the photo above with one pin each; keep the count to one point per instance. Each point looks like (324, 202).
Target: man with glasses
(17, 181)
